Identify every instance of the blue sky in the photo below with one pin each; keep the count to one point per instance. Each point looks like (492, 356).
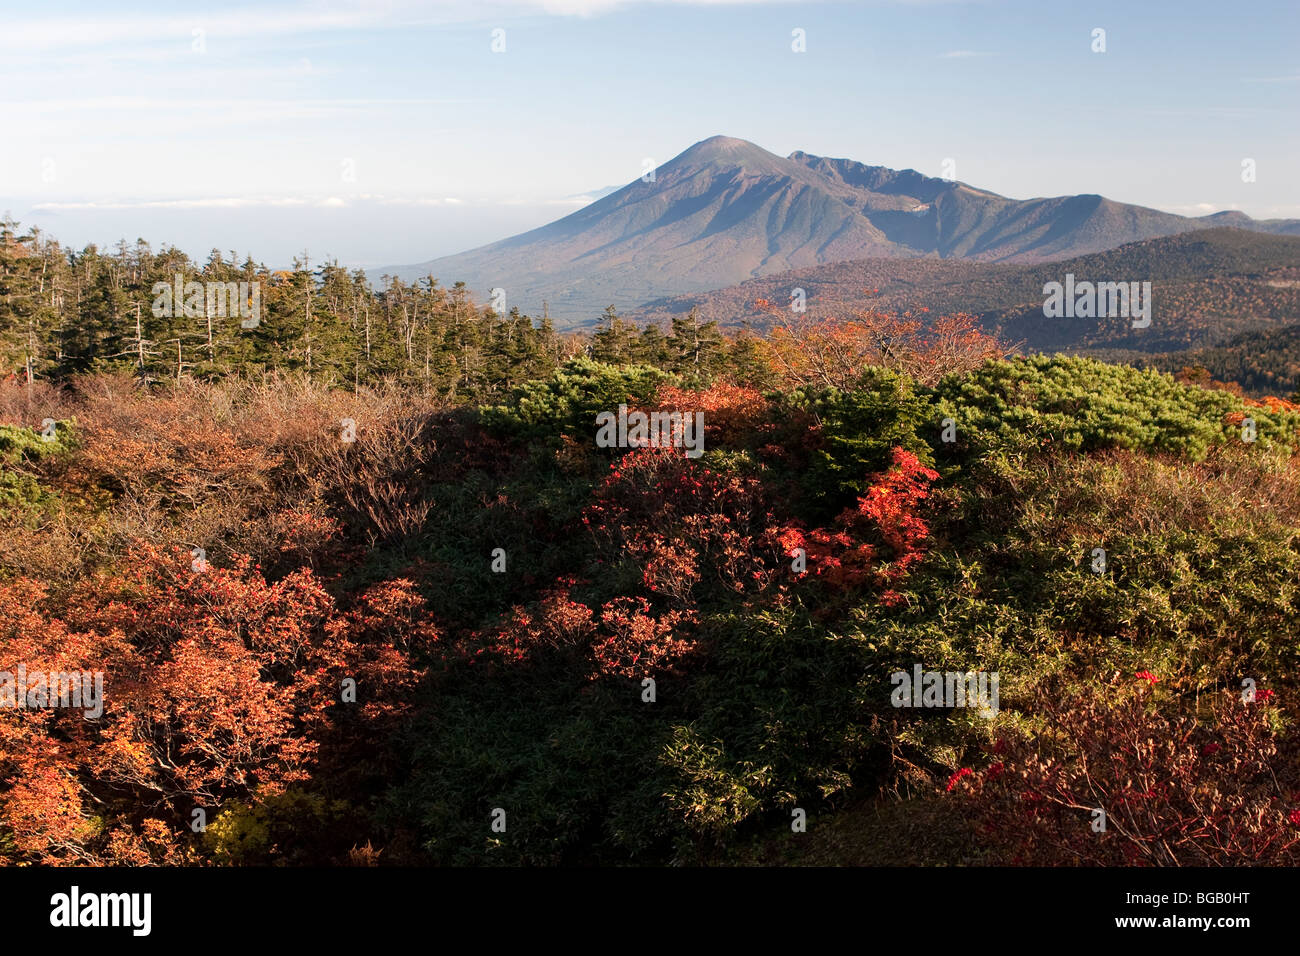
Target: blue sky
(390, 132)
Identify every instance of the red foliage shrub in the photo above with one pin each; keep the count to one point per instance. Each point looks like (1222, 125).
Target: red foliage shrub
(688, 526)
(846, 556)
(685, 524)
(626, 638)
(556, 621)
(1176, 790)
(638, 644)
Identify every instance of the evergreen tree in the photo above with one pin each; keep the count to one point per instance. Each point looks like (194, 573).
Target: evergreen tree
(614, 342)
(652, 347)
(696, 348)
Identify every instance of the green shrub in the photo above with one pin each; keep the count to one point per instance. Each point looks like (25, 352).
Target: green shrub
(567, 403)
(860, 428)
(20, 448)
(1084, 405)
(290, 828)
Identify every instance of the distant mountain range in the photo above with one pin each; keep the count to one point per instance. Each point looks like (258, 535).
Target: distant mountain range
(726, 210)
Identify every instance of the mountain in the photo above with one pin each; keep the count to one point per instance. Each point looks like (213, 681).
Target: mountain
(1206, 286)
(726, 210)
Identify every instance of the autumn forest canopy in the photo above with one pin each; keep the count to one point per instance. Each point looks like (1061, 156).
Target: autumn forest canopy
(364, 588)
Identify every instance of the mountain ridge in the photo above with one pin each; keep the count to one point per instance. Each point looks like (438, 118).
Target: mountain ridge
(725, 210)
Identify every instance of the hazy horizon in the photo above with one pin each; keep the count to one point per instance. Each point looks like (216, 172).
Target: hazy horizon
(281, 123)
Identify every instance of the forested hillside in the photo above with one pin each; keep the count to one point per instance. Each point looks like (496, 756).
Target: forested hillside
(365, 588)
(64, 312)
(1263, 362)
(1206, 287)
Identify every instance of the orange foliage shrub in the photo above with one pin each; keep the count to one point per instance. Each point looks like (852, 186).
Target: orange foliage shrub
(218, 685)
(167, 446)
(1273, 404)
(832, 352)
(733, 416)
(638, 643)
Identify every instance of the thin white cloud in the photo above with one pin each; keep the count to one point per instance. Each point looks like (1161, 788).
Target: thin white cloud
(101, 104)
(123, 32)
(575, 201)
(319, 202)
(223, 202)
(1225, 111)
(69, 32)
(410, 202)
(586, 8)
(1259, 212)
(1198, 209)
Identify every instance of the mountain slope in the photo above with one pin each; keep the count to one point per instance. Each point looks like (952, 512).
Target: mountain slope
(726, 210)
(1206, 286)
